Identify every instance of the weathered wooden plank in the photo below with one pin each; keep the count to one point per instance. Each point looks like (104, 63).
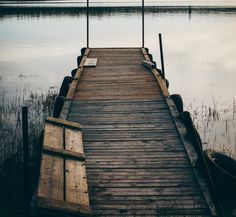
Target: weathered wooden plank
(160, 146)
(148, 199)
(115, 95)
(60, 206)
(128, 94)
(76, 182)
(140, 155)
(120, 79)
(51, 178)
(64, 153)
(167, 180)
(151, 172)
(123, 127)
(137, 101)
(139, 184)
(111, 77)
(169, 150)
(62, 123)
(146, 166)
(171, 206)
(86, 121)
(51, 173)
(156, 212)
(73, 140)
(139, 191)
(134, 102)
(116, 72)
(139, 176)
(129, 131)
(112, 51)
(116, 87)
(132, 116)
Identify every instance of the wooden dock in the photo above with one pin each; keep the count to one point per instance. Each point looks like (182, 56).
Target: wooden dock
(138, 162)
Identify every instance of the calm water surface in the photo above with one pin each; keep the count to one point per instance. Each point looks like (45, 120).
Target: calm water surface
(38, 47)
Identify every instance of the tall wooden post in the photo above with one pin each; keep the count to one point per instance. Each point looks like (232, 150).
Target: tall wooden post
(26, 158)
(142, 23)
(87, 23)
(162, 57)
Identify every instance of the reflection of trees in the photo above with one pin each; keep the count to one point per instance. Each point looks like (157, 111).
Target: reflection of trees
(37, 11)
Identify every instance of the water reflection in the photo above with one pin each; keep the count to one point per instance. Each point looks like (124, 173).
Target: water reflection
(39, 46)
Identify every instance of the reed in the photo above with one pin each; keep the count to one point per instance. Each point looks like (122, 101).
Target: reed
(216, 124)
(39, 106)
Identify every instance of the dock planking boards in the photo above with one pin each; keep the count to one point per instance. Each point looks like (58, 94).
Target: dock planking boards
(138, 162)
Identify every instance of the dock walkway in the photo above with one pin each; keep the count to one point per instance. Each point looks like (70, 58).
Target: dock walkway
(136, 161)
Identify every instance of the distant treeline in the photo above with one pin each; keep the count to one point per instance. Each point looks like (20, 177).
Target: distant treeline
(37, 11)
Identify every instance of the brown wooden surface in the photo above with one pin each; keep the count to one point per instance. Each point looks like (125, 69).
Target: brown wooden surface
(62, 185)
(136, 162)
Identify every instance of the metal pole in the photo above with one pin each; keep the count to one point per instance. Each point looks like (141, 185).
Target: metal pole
(26, 156)
(142, 23)
(87, 23)
(162, 57)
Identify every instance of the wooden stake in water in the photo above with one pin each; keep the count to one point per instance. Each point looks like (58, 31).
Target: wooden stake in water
(162, 57)
(26, 157)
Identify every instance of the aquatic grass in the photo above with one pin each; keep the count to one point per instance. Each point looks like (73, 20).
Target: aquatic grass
(216, 124)
(11, 148)
(39, 107)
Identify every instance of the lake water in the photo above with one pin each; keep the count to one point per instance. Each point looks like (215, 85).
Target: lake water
(39, 45)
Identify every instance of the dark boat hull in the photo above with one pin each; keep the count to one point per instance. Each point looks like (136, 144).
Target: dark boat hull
(223, 171)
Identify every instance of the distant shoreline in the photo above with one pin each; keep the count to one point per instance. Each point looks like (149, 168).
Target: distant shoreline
(37, 10)
(160, 7)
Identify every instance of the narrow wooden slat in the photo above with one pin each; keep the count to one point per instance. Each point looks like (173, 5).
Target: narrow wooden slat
(64, 153)
(187, 191)
(63, 123)
(51, 173)
(74, 140)
(156, 212)
(59, 206)
(76, 182)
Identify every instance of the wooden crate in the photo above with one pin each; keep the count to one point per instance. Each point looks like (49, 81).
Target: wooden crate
(62, 189)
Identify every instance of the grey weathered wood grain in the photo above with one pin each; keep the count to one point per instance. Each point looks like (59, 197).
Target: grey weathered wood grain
(136, 162)
(62, 186)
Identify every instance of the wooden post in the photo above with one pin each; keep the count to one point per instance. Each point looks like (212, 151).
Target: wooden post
(142, 23)
(26, 157)
(162, 57)
(87, 23)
